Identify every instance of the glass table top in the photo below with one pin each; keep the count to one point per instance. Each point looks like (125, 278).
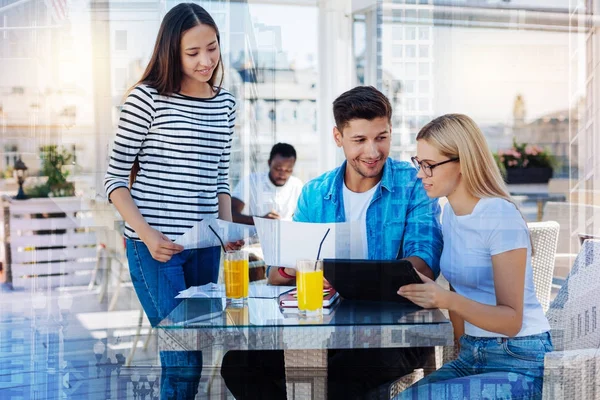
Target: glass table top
(207, 313)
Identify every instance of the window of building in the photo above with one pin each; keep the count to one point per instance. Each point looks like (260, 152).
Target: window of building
(425, 15)
(120, 79)
(121, 40)
(397, 51)
(408, 87)
(423, 120)
(397, 32)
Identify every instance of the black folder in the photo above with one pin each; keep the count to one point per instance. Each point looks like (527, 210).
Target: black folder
(375, 280)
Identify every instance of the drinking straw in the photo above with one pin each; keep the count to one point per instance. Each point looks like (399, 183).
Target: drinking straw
(218, 237)
(321, 245)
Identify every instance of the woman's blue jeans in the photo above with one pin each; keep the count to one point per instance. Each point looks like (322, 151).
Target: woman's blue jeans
(488, 368)
(156, 284)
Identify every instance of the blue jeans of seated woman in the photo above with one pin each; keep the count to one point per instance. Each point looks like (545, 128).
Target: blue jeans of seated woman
(156, 284)
(488, 368)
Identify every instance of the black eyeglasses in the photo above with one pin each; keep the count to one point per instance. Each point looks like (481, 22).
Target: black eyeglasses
(428, 168)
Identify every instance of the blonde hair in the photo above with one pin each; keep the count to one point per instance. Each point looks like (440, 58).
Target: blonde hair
(458, 136)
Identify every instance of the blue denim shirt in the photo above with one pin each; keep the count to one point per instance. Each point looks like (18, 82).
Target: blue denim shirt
(402, 221)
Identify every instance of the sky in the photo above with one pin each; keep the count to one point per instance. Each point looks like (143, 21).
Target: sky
(299, 25)
(477, 71)
(481, 71)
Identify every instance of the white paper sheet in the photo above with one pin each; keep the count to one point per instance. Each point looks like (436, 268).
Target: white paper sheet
(284, 242)
(210, 290)
(200, 236)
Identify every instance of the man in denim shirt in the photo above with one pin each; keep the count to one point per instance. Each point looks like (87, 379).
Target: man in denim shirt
(398, 220)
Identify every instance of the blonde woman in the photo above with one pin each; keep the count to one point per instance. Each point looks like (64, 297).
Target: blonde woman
(498, 322)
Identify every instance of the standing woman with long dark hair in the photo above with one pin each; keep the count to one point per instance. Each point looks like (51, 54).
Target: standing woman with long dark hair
(174, 139)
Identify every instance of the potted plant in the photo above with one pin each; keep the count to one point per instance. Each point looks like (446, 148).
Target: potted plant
(54, 160)
(525, 163)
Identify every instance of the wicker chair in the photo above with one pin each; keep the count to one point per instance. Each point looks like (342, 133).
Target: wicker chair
(568, 216)
(573, 369)
(544, 236)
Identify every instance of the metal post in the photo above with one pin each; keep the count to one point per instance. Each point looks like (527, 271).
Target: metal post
(102, 88)
(335, 60)
(7, 284)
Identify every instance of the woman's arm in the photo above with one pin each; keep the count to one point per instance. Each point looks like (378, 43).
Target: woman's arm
(458, 325)
(505, 318)
(123, 202)
(160, 246)
(225, 207)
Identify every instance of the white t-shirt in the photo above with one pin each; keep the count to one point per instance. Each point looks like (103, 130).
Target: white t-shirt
(355, 209)
(260, 195)
(495, 226)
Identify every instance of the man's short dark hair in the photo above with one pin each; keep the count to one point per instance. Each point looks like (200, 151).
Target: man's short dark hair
(284, 150)
(362, 102)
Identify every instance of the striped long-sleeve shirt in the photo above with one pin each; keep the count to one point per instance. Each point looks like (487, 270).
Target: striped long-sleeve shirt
(183, 145)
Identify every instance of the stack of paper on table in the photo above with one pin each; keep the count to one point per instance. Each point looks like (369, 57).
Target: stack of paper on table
(290, 299)
(288, 302)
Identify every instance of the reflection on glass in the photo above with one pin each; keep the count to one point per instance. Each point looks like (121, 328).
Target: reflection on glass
(237, 316)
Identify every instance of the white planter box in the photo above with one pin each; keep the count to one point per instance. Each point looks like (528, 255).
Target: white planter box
(50, 242)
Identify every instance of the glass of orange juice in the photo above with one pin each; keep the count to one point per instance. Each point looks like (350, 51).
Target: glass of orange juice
(236, 270)
(310, 287)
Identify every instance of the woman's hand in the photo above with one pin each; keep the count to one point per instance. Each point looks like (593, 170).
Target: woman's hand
(427, 294)
(160, 246)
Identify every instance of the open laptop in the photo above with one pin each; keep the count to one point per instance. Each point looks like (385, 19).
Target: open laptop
(374, 280)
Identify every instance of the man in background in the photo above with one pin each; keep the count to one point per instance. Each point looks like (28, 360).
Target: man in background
(273, 194)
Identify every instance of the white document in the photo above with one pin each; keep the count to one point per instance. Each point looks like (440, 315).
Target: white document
(200, 236)
(284, 242)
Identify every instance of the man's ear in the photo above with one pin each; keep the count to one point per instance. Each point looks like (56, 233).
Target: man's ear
(337, 136)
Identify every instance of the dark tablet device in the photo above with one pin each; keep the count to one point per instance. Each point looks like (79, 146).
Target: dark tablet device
(370, 279)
